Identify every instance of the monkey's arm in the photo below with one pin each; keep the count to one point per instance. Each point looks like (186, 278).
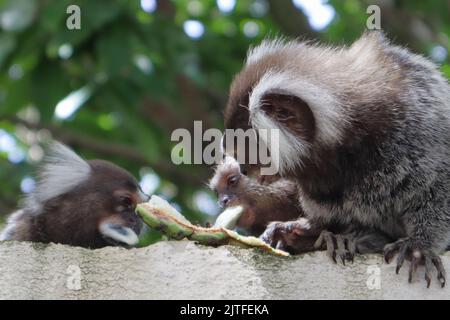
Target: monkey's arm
(267, 202)
(302, 235)
(280, 192)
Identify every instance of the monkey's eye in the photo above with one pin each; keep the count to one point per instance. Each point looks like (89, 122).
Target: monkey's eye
(232, 180)
(126, 203)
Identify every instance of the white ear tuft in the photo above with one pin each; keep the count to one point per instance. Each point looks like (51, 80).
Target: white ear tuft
(286, 149)
(328, 114)
(61, 171)
(231, 163)
(267, 47)
(11, 225)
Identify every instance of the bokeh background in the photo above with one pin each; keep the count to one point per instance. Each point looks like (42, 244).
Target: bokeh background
(138, 69)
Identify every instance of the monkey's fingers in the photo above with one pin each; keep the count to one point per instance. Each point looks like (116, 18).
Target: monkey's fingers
(320, 242)
(278, 232)
(280, 246)
(326, 239)
(407, 249)
(412, 268)
(429, 258)
(440, 269)
(401, 257)
(271, 235)
(391, 249)
(428, 267)
(351, 247)
(345, 247)
(341, 251)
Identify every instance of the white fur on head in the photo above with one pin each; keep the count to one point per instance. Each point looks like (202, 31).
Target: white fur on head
(268, 47)
(228, 164)
(323, 106)
(61, 171)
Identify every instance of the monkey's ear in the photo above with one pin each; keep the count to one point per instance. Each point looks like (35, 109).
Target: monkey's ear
(231, 164)
(116, 232)
(61, 171)
(290, 111)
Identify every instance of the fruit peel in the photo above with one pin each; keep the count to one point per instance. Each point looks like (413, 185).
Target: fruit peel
(160, 215)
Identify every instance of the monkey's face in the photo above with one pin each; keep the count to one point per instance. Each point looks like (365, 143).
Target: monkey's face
(118, 223)
(228, 193)
(290, 125)
(100, 211)
(285, 86)
(226, 182)
(118, 195)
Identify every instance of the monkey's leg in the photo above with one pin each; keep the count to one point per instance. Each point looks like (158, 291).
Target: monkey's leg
(370, 241)
(348, 241)
(408, 248)
(295, 236)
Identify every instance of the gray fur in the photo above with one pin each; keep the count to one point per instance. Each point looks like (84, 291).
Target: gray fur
(389, 168)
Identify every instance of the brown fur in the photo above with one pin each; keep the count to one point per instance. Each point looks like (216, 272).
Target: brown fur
(265, 198)
(108, 194)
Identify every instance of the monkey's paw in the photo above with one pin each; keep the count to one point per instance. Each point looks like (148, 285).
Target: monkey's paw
(337, 245)
(291, 236)
(408, 249)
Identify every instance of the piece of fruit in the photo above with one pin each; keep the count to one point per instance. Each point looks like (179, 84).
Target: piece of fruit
(160, 215)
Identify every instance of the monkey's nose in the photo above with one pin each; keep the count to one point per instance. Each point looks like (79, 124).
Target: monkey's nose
(224, 201)
(143, 196)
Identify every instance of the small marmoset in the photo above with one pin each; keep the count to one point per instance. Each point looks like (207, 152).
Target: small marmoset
(264, 198)
(365, 132)
(77, 202)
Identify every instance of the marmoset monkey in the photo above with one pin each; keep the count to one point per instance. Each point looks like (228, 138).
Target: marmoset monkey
(77, 202)
(265, 199)
(365, 131)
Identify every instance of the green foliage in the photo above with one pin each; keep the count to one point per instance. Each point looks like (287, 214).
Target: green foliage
(144, 77)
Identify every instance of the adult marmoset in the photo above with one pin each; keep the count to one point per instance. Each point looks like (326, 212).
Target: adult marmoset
(77, 202)
(365, 131)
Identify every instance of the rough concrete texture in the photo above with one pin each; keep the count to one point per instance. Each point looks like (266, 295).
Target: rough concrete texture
(184, 270)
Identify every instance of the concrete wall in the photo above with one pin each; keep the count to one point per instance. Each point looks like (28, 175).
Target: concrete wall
(184, 270)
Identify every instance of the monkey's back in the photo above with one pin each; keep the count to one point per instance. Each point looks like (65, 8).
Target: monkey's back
(395, 151)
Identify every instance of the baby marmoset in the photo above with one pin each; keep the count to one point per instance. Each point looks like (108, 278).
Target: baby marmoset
(264, 198)
(77, 202)
(365, 131)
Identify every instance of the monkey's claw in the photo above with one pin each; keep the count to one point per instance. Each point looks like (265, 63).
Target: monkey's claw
(292, 234)
(406, 249)
(274, 232)
(337, 245)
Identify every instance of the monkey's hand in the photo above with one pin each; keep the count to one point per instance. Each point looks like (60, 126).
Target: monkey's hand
(293, 236)
(337, 245)
(408, 249)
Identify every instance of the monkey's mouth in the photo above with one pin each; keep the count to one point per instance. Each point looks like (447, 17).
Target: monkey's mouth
(118, 235)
